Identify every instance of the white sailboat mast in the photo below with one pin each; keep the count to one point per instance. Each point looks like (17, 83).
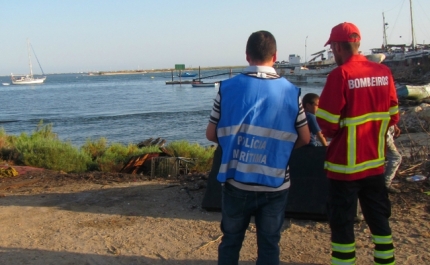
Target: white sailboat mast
(412, 25)
(29, 58)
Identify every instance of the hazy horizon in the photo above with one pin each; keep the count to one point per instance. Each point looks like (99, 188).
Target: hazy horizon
(70, 36)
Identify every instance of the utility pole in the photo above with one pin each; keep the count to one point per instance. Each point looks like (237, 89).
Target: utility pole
(305, 49)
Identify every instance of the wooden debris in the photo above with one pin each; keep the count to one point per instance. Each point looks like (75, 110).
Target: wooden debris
(139, 164)
(152, 142)
(164, 164)
(147, 142)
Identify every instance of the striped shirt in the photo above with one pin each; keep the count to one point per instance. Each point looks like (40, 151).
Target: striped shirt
(260, 72)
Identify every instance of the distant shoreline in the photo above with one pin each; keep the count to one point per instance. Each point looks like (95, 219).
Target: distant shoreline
(131, 72)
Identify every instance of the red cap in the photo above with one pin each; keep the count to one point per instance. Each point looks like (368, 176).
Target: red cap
(343, 32)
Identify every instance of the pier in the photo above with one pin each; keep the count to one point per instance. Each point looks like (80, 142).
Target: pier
(199, 78)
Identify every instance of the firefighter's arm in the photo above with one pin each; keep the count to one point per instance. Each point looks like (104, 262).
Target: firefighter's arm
(394, 104)
(331, 103)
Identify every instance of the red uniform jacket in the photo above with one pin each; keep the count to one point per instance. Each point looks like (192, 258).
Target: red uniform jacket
(356, 107)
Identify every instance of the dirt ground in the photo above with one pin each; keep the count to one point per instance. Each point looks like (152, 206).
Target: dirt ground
(104, 218)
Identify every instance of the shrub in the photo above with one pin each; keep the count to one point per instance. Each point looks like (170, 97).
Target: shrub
(202, 155)
(43, 149)
(51, 154)
(5, 145)
(95, 149)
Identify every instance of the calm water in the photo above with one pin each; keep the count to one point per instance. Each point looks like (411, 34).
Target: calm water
(122, 108)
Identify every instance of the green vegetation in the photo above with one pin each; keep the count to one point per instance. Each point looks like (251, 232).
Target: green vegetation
(203, 156)
(42, 148)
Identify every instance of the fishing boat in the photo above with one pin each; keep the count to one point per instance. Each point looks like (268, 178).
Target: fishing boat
(28, 79)
(402, 54)
(301, 74)
(318, 61)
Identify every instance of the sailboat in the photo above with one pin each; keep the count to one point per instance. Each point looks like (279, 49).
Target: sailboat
(28, 79)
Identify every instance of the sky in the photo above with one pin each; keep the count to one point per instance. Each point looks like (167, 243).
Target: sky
(81, 36)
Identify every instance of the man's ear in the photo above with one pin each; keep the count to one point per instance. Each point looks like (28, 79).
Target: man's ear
(338, 47)
(275, 57)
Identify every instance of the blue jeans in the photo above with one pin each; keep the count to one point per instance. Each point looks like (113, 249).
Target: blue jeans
(237, 207)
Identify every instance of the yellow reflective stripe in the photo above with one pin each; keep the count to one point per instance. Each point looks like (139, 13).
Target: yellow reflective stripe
(351, 143)
(351, 146)
(394, 110)
(325, 115)
(384, 254)
(354, 168)
(382, 239)
(344, 248)
(335, 261)
(391, 263)
(373, 116)
(382, 138)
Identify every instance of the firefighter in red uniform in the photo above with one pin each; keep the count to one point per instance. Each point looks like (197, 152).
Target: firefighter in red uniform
(356, 107)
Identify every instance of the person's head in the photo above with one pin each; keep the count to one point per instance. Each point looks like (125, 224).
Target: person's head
(310, 102)
(261, 48)
(344, 41)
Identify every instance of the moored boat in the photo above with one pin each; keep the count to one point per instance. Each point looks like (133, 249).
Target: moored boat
(302, 74)
(27, 79)
(413, 92)
(407, 62)
(202, 84)
(187, 74)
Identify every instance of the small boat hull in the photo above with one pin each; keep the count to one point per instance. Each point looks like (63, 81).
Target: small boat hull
(187, 75)
(28, 81)
(413, 92)
(204, 84)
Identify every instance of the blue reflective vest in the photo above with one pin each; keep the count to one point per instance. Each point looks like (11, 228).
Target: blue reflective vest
(256, 129)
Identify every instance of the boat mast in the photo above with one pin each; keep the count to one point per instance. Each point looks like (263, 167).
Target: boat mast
(384, 31)
(412, 26)
(29, 58)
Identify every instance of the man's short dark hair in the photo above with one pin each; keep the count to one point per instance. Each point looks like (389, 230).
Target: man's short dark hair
(351, 46)
(261, 46)
(309, 98)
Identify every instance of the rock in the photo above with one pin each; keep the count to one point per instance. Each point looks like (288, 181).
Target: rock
(415, 118)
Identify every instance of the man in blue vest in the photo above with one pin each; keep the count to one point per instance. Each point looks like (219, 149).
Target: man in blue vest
(257, 119)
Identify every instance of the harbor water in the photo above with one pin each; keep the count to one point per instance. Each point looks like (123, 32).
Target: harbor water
(122, 108)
